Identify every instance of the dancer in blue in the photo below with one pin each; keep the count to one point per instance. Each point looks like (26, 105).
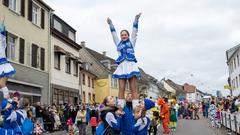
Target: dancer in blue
(6, 70)
(127, 69)
(142, 121)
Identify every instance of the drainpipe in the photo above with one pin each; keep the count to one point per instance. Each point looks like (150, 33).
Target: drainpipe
(80, 86)
(50, 56)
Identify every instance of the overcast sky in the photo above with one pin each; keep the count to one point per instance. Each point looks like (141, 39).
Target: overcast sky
(184, 40)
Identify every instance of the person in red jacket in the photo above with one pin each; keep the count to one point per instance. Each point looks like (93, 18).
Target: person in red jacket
(165, 113)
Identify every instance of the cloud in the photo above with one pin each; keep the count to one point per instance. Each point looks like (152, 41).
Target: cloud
(175, 39)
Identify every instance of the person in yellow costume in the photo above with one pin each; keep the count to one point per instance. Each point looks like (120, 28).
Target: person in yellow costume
(155, 121)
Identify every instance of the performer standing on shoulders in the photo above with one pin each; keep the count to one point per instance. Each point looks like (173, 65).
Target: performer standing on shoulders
(6, 70)
(127, 63)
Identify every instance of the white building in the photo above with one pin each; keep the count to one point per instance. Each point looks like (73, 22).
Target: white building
(192, 93)
(169, 88)
(65, 82)
(233, 63)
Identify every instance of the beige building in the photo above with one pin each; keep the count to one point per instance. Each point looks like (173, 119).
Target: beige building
(91, 72)
(65, 63)
(27, 25)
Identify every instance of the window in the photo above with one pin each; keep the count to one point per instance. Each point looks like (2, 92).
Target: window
(21, 50)
(93, 97)
(84, 97)
(13, 5)
(66, 97)
(233, 83)
(71, 35)
(34, 55)
(236, 82)
(89, 82)
(114, 83)
(239, 79)
(89, 97)
(83, 79)
(92, 83)
(11, 46)
(75, 68)
(57, 58)
(42, 59)
(35, 14)
(57, 25)
(68, 65)
(237, 60)
(234, 63)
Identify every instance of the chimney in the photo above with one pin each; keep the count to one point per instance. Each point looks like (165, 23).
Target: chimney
(83, 43)
(104, 53)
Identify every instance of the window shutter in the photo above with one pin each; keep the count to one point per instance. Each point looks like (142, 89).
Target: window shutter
(21, 51)
(30, 10)
(42, 59)
(23, 8)
(34, 55)
(76, 69)
(6, 42)
(42, 18)
(6, 3)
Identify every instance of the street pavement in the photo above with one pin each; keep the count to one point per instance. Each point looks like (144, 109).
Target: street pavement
(185, 127)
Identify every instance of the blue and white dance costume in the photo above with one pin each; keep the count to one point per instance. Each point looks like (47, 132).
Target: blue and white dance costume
(6, 70)
(127, 62)
(141, 126)
(13, 119)
(128, 126)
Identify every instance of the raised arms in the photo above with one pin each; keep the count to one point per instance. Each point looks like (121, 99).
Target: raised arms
(2, 18)
(113, 31)
(135, 29)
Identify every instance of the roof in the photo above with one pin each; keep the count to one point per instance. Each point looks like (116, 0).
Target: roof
(63, 38)
(179, 88)
(45, 5)
(231, 52)
(200, 91)
(189, 88)
(100, 57)
(62, 21)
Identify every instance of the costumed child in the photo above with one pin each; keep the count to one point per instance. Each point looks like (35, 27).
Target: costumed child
(173, 117)
(6, 70)
(127, 69)
(155, 121)
(38, 130)
(70, 126)
(142, 121)
(164, 112)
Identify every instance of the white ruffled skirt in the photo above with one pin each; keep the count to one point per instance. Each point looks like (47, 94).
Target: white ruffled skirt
(126, 69)
(6, 69)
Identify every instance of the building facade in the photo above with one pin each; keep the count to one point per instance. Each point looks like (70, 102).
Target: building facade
(65, 63)
(106, 85)
(27, 25)
(94, 77)
(233, 63)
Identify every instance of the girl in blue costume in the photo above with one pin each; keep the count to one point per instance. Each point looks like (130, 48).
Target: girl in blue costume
(127, 63)
(142, 121)
(6, 70)
(16, 119)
